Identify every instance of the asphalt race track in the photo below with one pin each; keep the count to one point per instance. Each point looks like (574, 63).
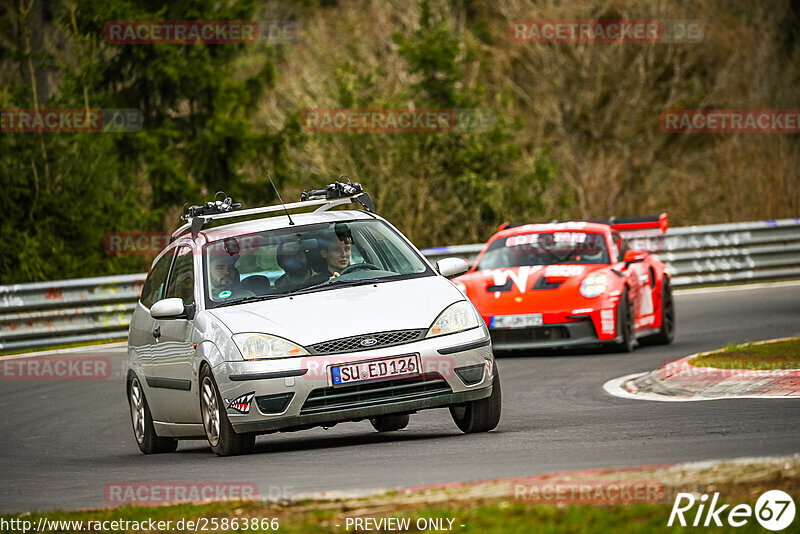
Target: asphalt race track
(63, 441)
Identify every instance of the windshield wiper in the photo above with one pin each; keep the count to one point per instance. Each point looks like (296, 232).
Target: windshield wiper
(336, 281)
(251, 298)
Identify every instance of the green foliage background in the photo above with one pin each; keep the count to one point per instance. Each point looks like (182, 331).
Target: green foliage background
(576, 131)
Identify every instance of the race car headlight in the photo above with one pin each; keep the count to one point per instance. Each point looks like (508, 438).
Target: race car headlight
(455, 318)
(255, 346)
(593, 285)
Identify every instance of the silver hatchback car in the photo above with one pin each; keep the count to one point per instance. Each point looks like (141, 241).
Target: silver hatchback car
(286, 322)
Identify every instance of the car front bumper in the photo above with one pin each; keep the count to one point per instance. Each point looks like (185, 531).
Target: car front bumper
(297, 393)
(555, 335)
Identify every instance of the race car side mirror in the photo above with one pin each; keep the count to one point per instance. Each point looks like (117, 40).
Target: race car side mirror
(635, 256)
(452, 267)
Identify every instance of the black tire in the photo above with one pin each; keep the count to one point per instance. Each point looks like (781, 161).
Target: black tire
(666, 334)
(390, 423)
(144, 431)
(481, 415)
(221, 436)
(625, 322)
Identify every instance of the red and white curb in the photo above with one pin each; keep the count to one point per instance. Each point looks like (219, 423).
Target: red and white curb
(681, 382)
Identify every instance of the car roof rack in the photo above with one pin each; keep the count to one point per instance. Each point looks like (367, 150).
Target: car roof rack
(335, 194)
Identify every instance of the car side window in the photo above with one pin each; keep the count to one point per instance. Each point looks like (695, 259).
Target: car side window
(153, 289)
(181, 278)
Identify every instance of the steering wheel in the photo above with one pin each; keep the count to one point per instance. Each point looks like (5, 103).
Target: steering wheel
(358, 267)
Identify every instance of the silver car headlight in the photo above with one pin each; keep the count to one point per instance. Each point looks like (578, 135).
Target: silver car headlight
(455, 318)
(255, 346)
(593, 285)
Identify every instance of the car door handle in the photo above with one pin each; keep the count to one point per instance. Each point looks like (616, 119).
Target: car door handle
(157, 332)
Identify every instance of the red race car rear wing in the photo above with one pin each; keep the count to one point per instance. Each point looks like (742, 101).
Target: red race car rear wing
(627, 224)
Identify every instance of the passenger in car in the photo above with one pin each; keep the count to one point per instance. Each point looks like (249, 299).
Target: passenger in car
(336, 253)
(292, 259)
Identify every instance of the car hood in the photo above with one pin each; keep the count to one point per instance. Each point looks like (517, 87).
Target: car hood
(311, 318)
(519, 296)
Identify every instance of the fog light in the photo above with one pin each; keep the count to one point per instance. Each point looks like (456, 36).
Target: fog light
(471, 374)
(268, 404)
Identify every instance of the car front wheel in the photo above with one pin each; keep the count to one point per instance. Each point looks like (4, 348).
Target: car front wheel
(481, 415)
(223, 439)
(143, 429)
(625, 316)
(666, 334)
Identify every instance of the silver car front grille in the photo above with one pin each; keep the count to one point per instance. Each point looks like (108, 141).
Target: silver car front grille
(367, 341)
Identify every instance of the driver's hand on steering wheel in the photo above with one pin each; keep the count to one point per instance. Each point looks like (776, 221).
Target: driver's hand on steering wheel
(335, 274)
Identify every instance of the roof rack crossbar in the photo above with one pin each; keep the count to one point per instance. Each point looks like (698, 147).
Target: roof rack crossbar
(321, 205)
(333, 203)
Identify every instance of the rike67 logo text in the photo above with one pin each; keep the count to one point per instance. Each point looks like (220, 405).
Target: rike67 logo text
(774, 510)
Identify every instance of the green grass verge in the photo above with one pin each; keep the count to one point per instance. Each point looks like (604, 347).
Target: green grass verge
(754, 356)
(502, 517)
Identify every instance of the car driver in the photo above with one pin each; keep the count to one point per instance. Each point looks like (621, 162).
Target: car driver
(223, 275)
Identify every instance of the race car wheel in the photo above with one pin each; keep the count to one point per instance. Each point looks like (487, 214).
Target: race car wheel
(223, 439)
(389, 423)
(143, 429)
(626, 327)
(481, 415)
(666, 334)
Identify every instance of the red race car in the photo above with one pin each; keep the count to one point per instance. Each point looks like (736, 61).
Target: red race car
(568, 284)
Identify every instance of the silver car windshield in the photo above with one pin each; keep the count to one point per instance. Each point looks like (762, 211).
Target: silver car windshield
(545, 248)
(304, 259)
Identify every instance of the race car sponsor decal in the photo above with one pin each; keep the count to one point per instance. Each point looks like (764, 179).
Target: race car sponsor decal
(556, 226)
(500, 277)
(607, 324)
(241, 404)
(569, 237)
(522, 240)
(566, 271)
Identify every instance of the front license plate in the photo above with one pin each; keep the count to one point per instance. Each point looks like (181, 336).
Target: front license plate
(349, 373)
(517, 321)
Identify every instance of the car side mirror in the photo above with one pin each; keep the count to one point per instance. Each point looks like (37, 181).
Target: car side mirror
(452, 267)
(635, 256)
(169, 309)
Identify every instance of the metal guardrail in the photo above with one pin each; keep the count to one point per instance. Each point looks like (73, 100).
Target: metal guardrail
(67, 311)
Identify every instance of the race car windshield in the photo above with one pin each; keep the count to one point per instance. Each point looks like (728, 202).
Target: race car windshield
(545, 248)
(304, 259)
